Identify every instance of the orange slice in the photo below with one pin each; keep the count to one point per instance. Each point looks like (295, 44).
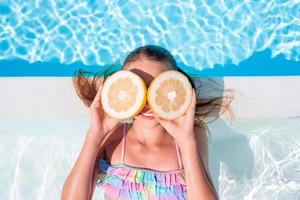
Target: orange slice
(123, 95)
(170, 94)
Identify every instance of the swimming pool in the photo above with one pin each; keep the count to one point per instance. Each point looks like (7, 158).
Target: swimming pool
(43, 123)
(199, 34)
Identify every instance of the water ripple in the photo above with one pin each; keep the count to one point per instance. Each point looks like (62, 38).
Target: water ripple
(199, 34)
(276, 171)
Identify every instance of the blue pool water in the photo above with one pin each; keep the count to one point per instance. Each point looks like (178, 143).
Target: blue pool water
(200, 34)
(251, 159)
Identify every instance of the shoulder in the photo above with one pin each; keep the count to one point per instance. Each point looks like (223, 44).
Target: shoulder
(114, 136)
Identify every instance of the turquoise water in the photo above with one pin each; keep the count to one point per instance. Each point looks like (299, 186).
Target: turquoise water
(259, 64)
(200, 34)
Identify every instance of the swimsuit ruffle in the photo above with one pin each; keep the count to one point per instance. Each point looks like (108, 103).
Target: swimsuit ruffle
(124, 181)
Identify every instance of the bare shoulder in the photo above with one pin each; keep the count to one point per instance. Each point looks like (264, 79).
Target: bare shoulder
(111, 138)
(114, 136)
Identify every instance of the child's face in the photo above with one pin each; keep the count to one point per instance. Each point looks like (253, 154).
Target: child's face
(147, 70)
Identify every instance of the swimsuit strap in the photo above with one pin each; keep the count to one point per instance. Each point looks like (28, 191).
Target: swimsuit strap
(123, 148)
(178, 156)
(123, 143)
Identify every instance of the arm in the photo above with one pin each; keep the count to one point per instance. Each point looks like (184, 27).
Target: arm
(79, 184)
(196, 181)
(81, 181)
(183, 131)
(96, 176)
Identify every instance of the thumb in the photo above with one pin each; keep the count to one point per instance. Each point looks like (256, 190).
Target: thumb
(97, 99)
(99, 92)
(161, 120)
(158, 118)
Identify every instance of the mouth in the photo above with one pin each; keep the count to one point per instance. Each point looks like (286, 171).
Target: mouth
(148, 115)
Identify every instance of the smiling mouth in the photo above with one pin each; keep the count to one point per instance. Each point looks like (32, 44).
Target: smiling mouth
(148, 114)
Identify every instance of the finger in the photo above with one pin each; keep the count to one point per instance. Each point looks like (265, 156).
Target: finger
(160, 120)
(157, 118)
(163, 122)
(193, 102)
(99, 91)
(97, 98)
(193, 98)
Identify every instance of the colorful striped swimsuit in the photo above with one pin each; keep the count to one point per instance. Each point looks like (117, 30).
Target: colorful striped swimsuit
(121, 181)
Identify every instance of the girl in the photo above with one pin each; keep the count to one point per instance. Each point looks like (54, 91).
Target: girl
(151, 158)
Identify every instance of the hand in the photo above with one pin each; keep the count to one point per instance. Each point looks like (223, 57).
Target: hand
(100, 121)
(181, 128)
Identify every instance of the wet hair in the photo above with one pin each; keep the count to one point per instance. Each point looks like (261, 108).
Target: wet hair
(86, 86)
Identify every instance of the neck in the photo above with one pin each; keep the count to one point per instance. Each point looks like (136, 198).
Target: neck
(150, 136)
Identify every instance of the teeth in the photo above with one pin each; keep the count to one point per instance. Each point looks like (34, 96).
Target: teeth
(148, 114)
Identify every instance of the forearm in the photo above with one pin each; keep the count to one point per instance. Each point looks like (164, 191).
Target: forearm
(79, 183)
(196, 182)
